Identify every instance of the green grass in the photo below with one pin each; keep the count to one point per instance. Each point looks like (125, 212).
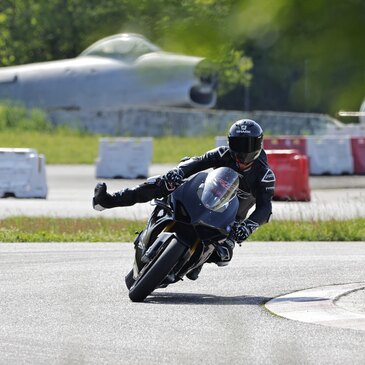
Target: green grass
(172, 149)
(332, 230)
(72, 147)
(58, 148)
(41, 229)
(20, 127)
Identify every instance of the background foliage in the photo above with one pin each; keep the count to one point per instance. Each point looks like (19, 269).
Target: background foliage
(306, 55)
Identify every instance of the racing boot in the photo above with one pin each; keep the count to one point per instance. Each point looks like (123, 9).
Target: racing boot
(223, 253)
(221, 256)
(154, 187)
(103, 200)
(194, 274)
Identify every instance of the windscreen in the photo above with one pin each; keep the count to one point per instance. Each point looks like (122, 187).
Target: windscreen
(219, 188)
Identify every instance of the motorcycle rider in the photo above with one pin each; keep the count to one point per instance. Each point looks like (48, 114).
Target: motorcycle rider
(243, 154)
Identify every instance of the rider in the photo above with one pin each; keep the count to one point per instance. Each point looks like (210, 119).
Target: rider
(243, 154)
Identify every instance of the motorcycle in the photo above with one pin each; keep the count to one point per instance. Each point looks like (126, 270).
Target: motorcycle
(183, 231)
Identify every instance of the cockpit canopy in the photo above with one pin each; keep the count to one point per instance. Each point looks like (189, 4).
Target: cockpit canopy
(125, 47)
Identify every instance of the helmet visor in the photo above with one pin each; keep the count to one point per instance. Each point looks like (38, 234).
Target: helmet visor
(245, 150)
(246, 145)
(245, 158)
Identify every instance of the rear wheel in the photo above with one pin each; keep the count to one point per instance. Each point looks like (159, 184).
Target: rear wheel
(157, 272)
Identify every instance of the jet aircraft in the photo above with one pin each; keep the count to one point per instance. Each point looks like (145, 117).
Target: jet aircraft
(119, 71)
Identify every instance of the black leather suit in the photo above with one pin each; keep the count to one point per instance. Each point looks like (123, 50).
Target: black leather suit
(256, 184)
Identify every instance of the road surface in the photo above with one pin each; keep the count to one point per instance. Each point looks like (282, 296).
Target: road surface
(71, 189)
(67, 304)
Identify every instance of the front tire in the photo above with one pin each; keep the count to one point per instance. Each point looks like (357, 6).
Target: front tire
(129, 281)
(157, 272)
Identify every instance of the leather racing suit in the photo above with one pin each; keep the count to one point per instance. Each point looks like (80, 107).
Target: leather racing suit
(256, 184)
(256, 187)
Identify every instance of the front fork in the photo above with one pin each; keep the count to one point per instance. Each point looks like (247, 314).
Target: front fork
(139, 252)
(144, 252)
(195, 256)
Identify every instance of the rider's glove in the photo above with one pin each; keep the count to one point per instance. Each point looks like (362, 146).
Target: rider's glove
(174, 178)
(101, 199)
(241, 231)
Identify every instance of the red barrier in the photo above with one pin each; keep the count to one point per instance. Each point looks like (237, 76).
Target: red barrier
(358, 154)
(298, 143)
(292, 175)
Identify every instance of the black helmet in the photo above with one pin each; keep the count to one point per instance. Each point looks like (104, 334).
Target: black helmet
(245, 140)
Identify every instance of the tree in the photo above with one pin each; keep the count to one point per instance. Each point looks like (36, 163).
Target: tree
(282, 54)
(308, 55)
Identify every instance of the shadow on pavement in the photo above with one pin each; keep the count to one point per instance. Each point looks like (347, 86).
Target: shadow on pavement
(188, 298)
(300, 299)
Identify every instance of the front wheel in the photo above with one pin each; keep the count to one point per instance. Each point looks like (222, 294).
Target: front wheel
(157, 272)
(129, 281)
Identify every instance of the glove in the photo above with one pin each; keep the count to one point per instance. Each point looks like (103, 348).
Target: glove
(241, 231)
(101, 197)
(174, 178)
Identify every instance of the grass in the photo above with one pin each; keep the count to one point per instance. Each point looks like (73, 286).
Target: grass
(72, 147)
(42, 229)
(172, 149)
(20, 127)
(58, 148)
(332, 230)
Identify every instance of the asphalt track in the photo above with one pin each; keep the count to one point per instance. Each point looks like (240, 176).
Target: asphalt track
(71, 190)
(67, 303)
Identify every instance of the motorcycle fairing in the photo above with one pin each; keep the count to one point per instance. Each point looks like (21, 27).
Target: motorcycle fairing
(194, 212)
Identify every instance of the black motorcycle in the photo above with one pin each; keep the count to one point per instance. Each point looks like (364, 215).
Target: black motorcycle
(183, 231)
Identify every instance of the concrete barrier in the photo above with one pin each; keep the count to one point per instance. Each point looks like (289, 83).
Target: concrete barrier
(346, 129)
(221, 141)
(127, 158)
(331, 155)
(22, 173)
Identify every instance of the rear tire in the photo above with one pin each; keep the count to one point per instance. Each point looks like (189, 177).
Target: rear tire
(157, 272)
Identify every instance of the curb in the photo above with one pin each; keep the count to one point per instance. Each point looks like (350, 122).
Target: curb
(318, 305)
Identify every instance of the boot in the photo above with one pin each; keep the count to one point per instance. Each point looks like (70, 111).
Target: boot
(223, 253)
(194, 274)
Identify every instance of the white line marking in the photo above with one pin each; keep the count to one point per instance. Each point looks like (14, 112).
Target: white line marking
(318, 305)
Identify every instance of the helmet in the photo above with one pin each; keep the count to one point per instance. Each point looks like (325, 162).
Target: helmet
(245, 140)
